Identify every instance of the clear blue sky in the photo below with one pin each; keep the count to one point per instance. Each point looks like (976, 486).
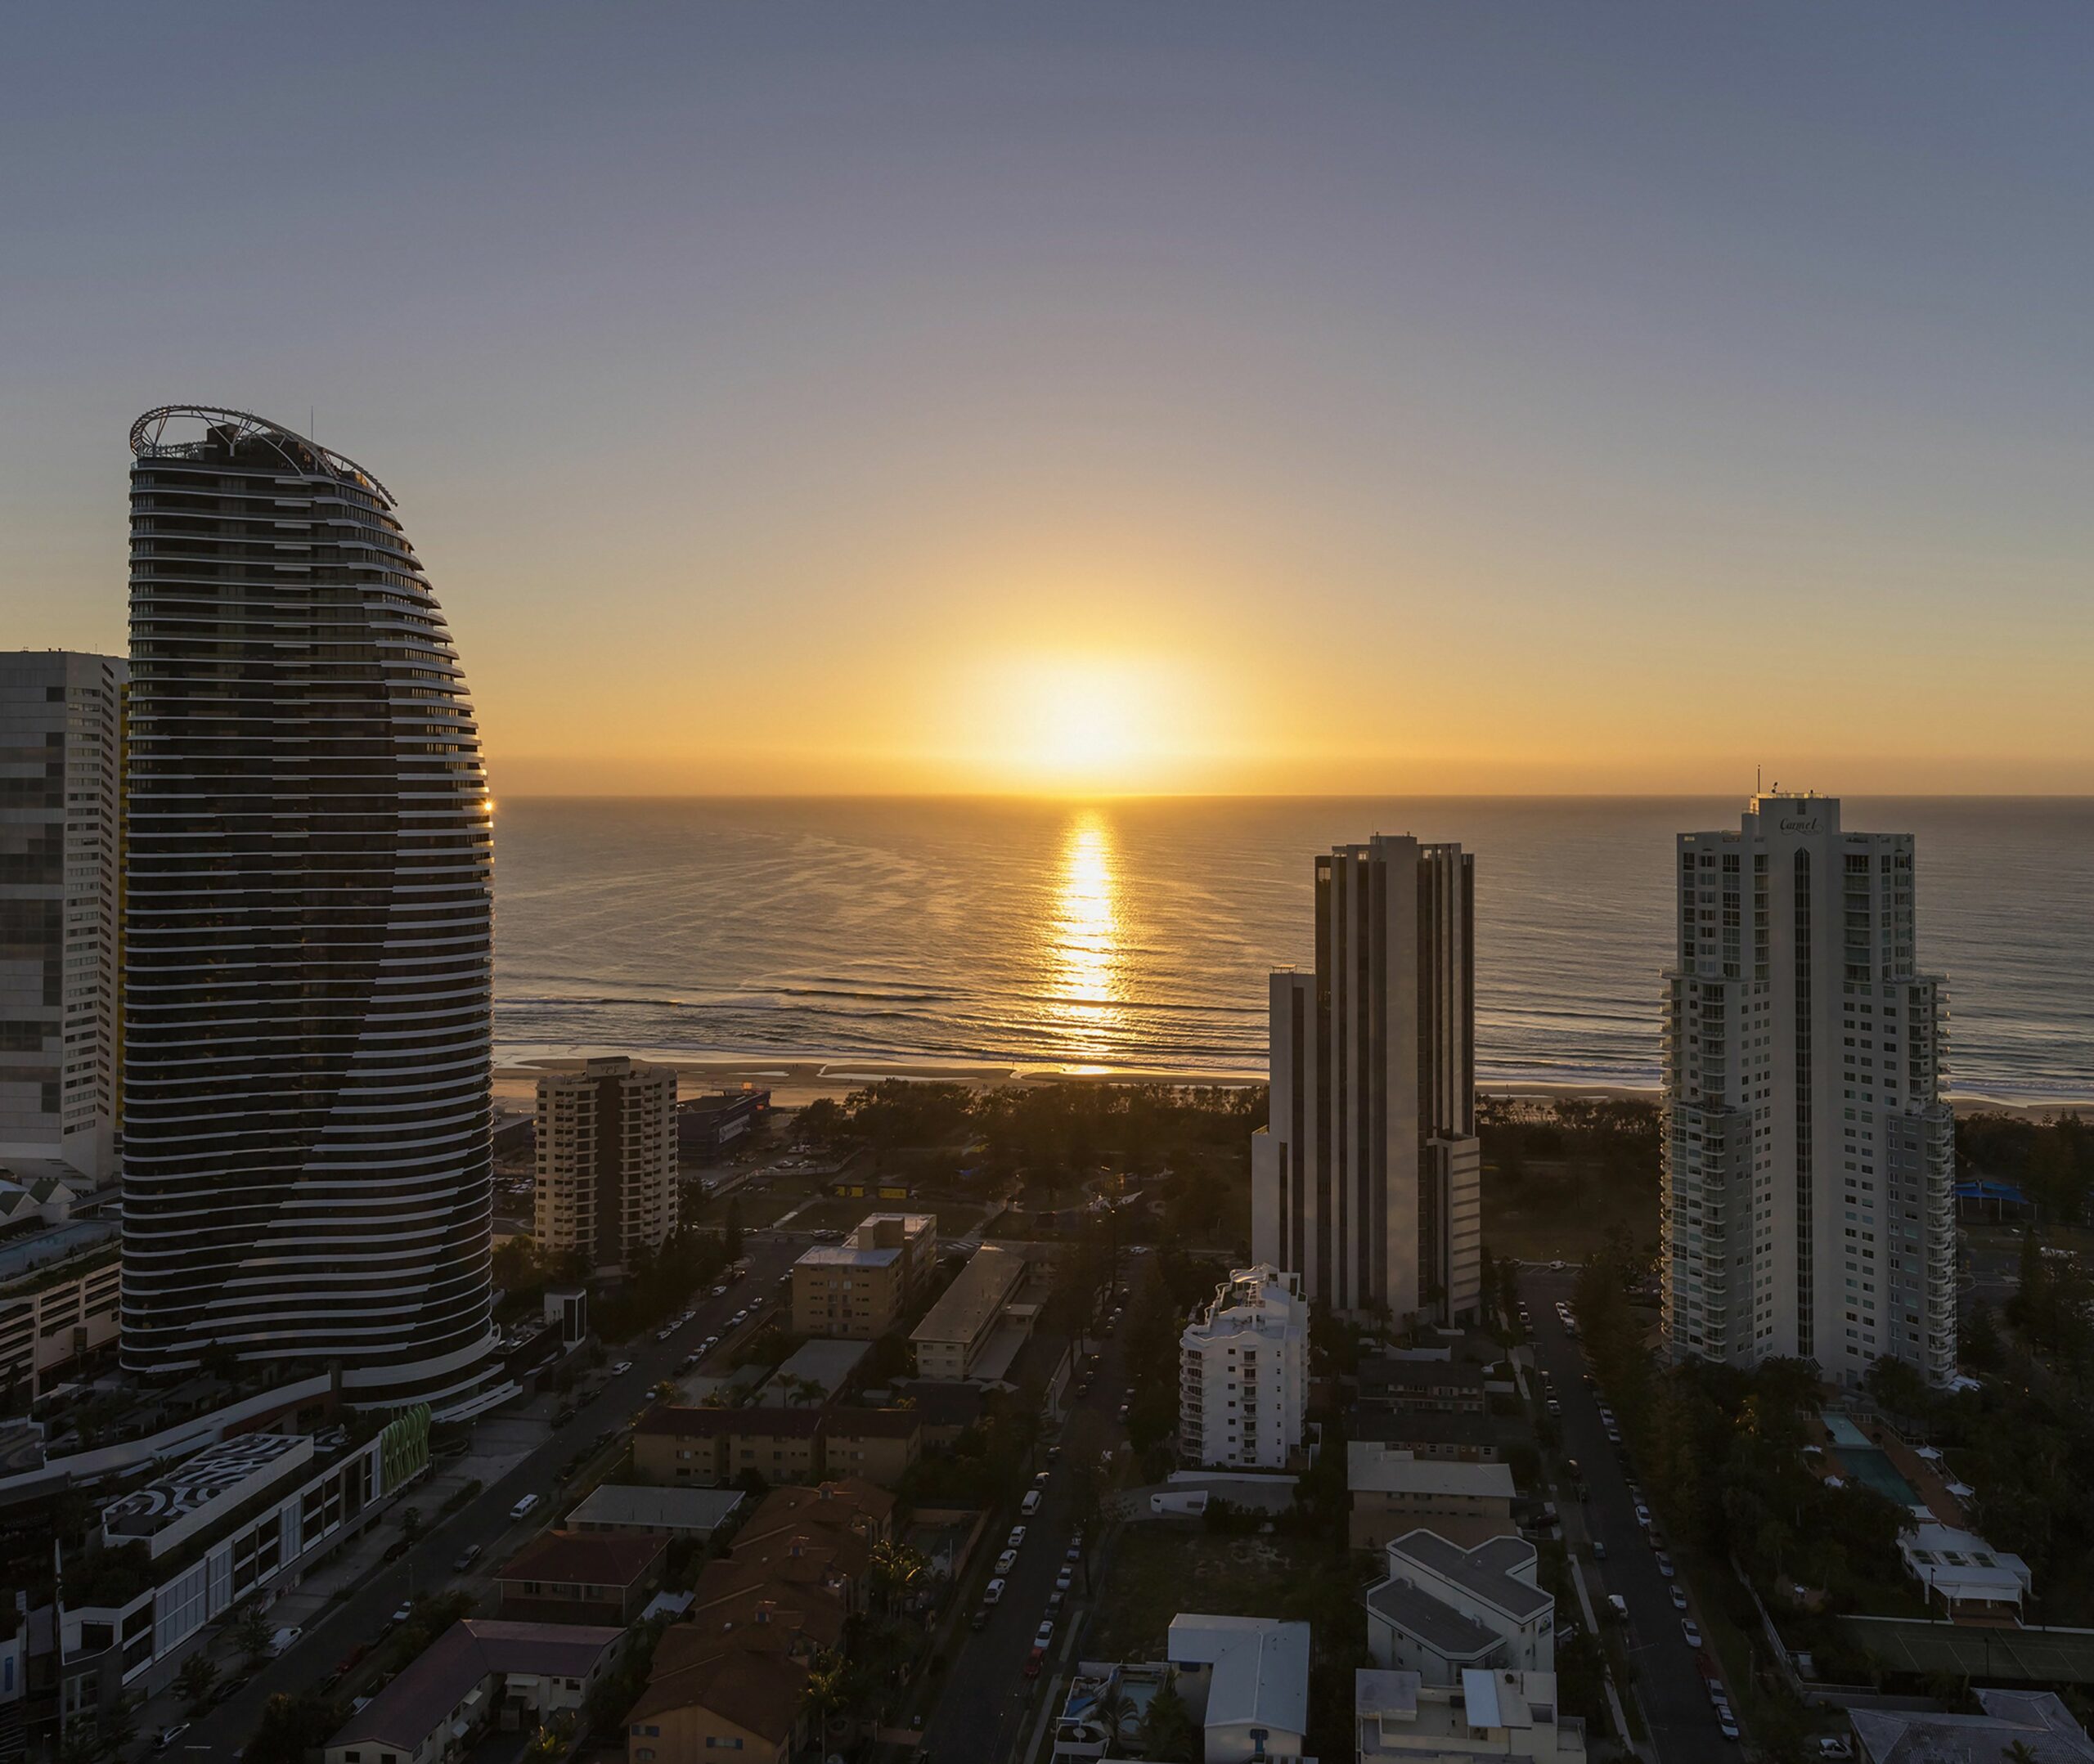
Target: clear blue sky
(1375, 396)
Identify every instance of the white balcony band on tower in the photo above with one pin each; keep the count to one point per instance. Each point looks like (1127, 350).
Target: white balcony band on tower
(307, 1175)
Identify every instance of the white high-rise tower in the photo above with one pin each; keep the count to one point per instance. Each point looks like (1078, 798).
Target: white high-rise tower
(1809, 1203)
(1366, 1181)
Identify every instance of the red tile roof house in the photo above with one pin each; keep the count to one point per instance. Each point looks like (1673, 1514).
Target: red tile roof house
(583, 1577)
(478, 1670)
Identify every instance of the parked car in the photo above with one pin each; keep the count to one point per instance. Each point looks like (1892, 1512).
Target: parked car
(1678, 1596)
(168, 1735)
(524, 1508)
(993, 1593)
(1045, 1634)
(1726, 1724)
(1599, 1549)
(1074, 1553)
(621, 1369)
(1016, 1538)
(284, 1640)
(407, 1609)
(464, 1559)
(980, 1619)
(1034, 1661)
(1692, 1629)
(1007, 1561)
(1054, 1600)
(1665, 1564)
(1031, 1503)
(1065, 1580)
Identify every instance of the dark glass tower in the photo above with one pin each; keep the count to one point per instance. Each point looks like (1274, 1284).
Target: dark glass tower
(308, 916)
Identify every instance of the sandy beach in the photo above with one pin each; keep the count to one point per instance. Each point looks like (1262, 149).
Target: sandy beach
(794, 1082)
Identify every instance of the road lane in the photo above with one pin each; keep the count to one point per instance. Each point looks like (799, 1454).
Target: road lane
(1668, 1681)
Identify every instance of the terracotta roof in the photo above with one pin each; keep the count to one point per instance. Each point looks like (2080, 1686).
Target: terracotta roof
(874, 1424)
(735, 1596)
(755, 1690)
(803, 1555)
(588, 1557)
(848, 1503)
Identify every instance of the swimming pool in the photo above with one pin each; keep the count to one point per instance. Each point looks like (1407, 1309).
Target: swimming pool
(1869, 1464)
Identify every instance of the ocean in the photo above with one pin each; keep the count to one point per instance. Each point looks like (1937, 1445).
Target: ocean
(1136, 935)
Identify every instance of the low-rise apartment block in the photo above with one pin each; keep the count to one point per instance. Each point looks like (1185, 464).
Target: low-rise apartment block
(1441, 1610)
(950, 1341)
(1402, 1720)
(584, 1576)
(1244, 1682)
(1393, 1492)
(859, 1289)
(1243, 1371)
(59, 1294)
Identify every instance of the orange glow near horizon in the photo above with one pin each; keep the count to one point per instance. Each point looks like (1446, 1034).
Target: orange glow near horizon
(1086, 934)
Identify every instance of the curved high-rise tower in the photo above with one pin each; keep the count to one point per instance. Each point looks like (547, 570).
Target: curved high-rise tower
(306, 1168)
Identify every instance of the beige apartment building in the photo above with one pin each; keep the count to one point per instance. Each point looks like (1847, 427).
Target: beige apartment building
(607, 1161)
(955, 1330)
(859, 1289)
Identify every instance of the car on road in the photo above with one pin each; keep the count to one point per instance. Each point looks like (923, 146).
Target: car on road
(1678, 1596)
(397, 1548)
(1599, 1549)
(1041, 1479)
(621, 1369)
(1065, 1580)
(1554, 1406)
(993, 1593)
(1034, 1661)
(1074, 1553)
(663, 1333)
(1007, 1561)
(1692, 1631)
(980, 1619)
(464, 1559)
(1122, 1415)
(1045, 1633)
(1665, 1564)
(407, 1609)
(1016, 1538)
(1643, 1513)
(1031, 1503)
(719, 1292)
(168, 1735)
(284, 1640)
(1833, 1746)
(1726, 1724)
(1054, 1600)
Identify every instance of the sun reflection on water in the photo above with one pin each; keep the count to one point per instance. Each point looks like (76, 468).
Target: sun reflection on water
(1087, 993)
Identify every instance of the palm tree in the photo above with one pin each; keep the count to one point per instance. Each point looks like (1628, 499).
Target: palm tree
(826, 1693)
(895, 1567)
(1111, 1713)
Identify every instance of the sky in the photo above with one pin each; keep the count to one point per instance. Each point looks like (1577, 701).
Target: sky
(1379, 398)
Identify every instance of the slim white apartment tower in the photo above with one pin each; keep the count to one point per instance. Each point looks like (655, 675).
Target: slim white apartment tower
(1808, 1201)
(1243, 1373)
(1366, 1178)
(61, 807)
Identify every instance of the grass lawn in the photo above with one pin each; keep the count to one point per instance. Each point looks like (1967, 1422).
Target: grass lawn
(1158, 1572)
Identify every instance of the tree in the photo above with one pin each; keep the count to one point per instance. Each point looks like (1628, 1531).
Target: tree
(827, 1691)
(120, 1723)
(198, 1678)
(250, 1632)
(894, 1568)
(290, 1727)
(1166, 1732)
(411, 1523)
(1112, 1707)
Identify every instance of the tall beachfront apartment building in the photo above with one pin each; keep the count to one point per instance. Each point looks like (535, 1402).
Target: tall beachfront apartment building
(1366, 1180)
(1243, 1373)
(1808, 1200)
(308, 894)
(62, 840)
(607, 1161)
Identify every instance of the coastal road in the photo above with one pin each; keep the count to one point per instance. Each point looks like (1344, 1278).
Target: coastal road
(1668, 1681)
(988, 1707)
(484, 1523)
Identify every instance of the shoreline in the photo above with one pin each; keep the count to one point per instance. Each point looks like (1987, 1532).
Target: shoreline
(795, 1080)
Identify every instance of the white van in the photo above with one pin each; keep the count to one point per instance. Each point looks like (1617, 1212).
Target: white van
(523, 1508)
(1031, 1503)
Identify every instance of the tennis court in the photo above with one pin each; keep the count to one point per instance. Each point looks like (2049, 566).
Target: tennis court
(2039, 1656)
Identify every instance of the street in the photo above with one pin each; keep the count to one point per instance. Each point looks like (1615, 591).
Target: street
(989, 1707)
(485, 1521)
(1669, 1680)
